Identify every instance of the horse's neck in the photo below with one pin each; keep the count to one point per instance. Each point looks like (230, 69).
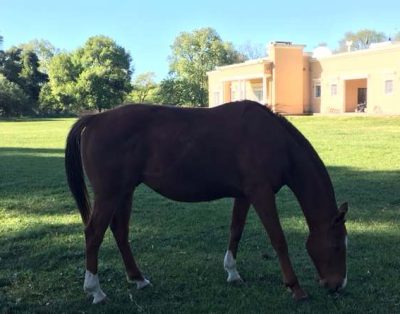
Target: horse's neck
(312, 186)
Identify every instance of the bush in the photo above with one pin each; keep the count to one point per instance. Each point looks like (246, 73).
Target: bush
(13, 100)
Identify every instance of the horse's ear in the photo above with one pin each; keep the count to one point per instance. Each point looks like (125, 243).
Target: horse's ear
(341, 214)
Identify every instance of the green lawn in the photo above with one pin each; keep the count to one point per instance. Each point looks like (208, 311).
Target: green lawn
(180, 246)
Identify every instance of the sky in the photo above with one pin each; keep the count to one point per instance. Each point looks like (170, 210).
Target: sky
(147, 29)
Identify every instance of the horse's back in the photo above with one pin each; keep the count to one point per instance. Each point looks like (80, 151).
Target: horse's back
(188, 154)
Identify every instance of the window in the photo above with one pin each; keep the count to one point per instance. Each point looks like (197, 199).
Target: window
(317, 91)
(333, 89)
(233, 95)
(234, 91)
(259, 95)
(388, 87)
(216, 99)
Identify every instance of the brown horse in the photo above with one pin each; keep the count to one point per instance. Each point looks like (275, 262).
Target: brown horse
(240, 150)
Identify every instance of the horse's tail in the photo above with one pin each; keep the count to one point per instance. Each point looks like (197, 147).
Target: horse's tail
(74, 168)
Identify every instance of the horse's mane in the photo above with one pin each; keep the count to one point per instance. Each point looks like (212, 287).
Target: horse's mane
(302, 141)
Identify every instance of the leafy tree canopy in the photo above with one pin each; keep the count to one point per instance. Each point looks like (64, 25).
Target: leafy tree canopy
(178, 91)
(43, 49)
(13, 100)
(251, 51)
(21, 67)
(96, 76)
(196, 53)
(361, 39)
(144, 88)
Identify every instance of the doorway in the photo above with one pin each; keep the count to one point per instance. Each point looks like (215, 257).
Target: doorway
(356, 92)
(362, 95)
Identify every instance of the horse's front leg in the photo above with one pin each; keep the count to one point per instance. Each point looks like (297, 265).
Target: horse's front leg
(263, 201)
(239, 213)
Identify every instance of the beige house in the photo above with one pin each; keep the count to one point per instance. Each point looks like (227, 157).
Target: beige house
(293, 81)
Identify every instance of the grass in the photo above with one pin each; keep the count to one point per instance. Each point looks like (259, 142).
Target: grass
(180, 246)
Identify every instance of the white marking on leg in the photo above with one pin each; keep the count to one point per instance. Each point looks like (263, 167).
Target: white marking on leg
(230, 267)
(140, 284)
(344, 284)
(92, 287)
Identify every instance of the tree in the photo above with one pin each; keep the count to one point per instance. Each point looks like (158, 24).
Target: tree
(10, 64)
(361, 39)
(251, 51)
(13, 100)
(144, 88)
(64, 70)
(48, 102)
(96, 76)
(177, 91)
(106, 73)
(32, 78)
(43, 49)
(170, 92)
(196, 53)
(22, 68)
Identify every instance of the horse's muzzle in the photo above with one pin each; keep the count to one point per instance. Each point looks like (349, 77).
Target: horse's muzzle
(333, 286)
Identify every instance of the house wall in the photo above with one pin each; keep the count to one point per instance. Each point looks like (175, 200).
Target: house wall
(315, 79)
(288, 78)
(375, 65)
(224, 78)
(306, 84)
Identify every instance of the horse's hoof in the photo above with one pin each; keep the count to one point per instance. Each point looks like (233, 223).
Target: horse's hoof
(101, 300)
(235, 280)
(141, 284)
(299, 295)
(236, 283)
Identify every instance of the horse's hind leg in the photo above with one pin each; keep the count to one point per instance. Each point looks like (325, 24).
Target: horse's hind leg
(120, 229)
(263, 201)
(239, 213)
(100, 218)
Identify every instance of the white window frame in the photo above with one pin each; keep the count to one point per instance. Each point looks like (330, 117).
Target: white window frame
(217, 98)
(233, 94)
(388, 87)
(334, 91)
(259, 95)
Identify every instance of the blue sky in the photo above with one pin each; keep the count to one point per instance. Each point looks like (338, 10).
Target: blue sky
(148, 28)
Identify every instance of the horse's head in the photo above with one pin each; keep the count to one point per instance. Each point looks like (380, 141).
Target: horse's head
(327, 248)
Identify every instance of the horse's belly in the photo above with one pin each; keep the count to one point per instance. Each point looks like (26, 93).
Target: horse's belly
(192, 191)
